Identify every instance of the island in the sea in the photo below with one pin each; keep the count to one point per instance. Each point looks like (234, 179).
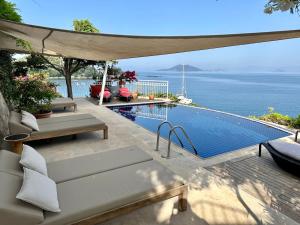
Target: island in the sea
(178, 68)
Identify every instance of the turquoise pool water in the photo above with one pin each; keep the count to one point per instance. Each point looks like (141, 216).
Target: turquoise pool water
(212, 133)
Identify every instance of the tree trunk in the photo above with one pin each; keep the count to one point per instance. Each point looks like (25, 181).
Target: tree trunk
(69, 85)
(67, 74)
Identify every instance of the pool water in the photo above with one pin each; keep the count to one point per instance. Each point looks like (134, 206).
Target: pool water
(211, 132)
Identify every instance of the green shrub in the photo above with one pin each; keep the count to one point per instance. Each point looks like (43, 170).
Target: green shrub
(278, 118)
(36, 94)
(296, 122)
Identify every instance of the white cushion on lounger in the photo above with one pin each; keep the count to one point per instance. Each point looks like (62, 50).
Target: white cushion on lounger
(39, 190)
(33, 160)
(289, 149)
(29, 120)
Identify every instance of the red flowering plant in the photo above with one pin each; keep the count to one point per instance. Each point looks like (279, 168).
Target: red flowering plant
(128, 76)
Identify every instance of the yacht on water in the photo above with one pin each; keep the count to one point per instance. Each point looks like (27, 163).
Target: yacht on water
(183, 99)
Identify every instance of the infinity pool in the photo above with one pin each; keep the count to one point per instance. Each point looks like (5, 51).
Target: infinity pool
(212, 133)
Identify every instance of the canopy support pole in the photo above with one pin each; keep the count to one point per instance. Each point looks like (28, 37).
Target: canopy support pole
(103, 82)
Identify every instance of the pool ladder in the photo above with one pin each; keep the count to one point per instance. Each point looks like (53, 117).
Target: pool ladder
(173, 130)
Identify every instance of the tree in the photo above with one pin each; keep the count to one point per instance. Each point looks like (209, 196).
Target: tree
(282, 5)
(69, 66)
(8, 11)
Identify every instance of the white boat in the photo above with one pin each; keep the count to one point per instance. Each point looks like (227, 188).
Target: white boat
(183, 99)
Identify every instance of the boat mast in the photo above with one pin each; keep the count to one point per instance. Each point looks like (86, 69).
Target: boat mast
(183, 84)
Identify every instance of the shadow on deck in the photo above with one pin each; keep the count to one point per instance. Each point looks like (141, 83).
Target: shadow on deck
(264, 180)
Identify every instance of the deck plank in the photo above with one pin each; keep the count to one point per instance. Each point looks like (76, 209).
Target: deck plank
(263, 179)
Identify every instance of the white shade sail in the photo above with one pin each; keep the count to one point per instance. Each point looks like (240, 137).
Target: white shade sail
(99, 46)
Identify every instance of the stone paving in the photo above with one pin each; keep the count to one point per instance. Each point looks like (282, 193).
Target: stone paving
(211, 199)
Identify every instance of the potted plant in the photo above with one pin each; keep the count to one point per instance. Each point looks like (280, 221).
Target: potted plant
(151, 96)
(36, 95)
(135, 95)
(128, 76)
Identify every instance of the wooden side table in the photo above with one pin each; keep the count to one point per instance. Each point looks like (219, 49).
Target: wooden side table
(16, 141)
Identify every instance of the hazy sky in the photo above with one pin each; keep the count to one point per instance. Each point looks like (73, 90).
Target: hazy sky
(180, 17)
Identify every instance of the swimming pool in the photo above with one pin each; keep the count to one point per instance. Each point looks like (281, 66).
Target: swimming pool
(212, 132)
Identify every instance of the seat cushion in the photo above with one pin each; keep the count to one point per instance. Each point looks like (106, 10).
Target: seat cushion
(60, 119)
(15, 125)
(14, 211)
(61, 102)
(9, 163)
(68, 169)
(289, 149)
(87, 196)
(76, 126)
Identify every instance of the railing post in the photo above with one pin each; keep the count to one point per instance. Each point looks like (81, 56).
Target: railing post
(167, 89)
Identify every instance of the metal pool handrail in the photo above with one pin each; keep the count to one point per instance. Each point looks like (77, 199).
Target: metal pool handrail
(185, 134)
(158, 133)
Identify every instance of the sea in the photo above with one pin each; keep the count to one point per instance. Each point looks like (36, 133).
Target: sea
(239, 93)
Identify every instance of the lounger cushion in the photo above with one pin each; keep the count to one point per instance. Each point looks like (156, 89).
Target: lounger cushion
(62, 102)
(31, 159)
(9, 163)
(39, 190)
(68, 169)
(60, 119)
(289, 149)
(29, 120)
(14, 211)
(88, 196)
(64, 170)
(56, 129)
(15, 125)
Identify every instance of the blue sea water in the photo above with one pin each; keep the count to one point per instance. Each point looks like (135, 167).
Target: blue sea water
(240, 93)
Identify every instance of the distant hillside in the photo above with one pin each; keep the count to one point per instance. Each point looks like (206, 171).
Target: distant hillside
(178, 68)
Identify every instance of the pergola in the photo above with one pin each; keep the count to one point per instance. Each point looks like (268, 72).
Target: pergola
(108, 47)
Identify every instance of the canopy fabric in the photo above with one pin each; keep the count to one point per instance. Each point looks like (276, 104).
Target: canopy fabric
(99, 46)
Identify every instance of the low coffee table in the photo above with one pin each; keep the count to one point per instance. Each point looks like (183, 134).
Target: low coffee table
(16, 141)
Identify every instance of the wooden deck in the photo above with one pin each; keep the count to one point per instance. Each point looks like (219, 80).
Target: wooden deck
(264, 180)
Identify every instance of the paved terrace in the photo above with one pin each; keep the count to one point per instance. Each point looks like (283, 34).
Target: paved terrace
(217, 194)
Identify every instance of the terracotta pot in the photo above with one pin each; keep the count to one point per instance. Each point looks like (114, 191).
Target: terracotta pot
(43, 115)
(134, 95)
(151, 97)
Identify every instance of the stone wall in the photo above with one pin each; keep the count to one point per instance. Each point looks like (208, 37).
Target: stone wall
(4, 114)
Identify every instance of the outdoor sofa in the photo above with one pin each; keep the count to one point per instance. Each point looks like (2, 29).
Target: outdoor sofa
(57, 126)
(63, 103)
(90, 189)
(124, 94)
(285, 154)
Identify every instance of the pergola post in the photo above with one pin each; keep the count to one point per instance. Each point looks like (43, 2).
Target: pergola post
(103, 82)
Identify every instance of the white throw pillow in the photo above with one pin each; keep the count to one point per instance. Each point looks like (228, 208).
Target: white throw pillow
(33, 160)
(39, 190)
(29, 120)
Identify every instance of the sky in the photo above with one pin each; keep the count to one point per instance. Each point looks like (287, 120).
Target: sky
(178, 17)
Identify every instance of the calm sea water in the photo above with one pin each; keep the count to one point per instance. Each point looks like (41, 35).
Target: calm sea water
(240, 93)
